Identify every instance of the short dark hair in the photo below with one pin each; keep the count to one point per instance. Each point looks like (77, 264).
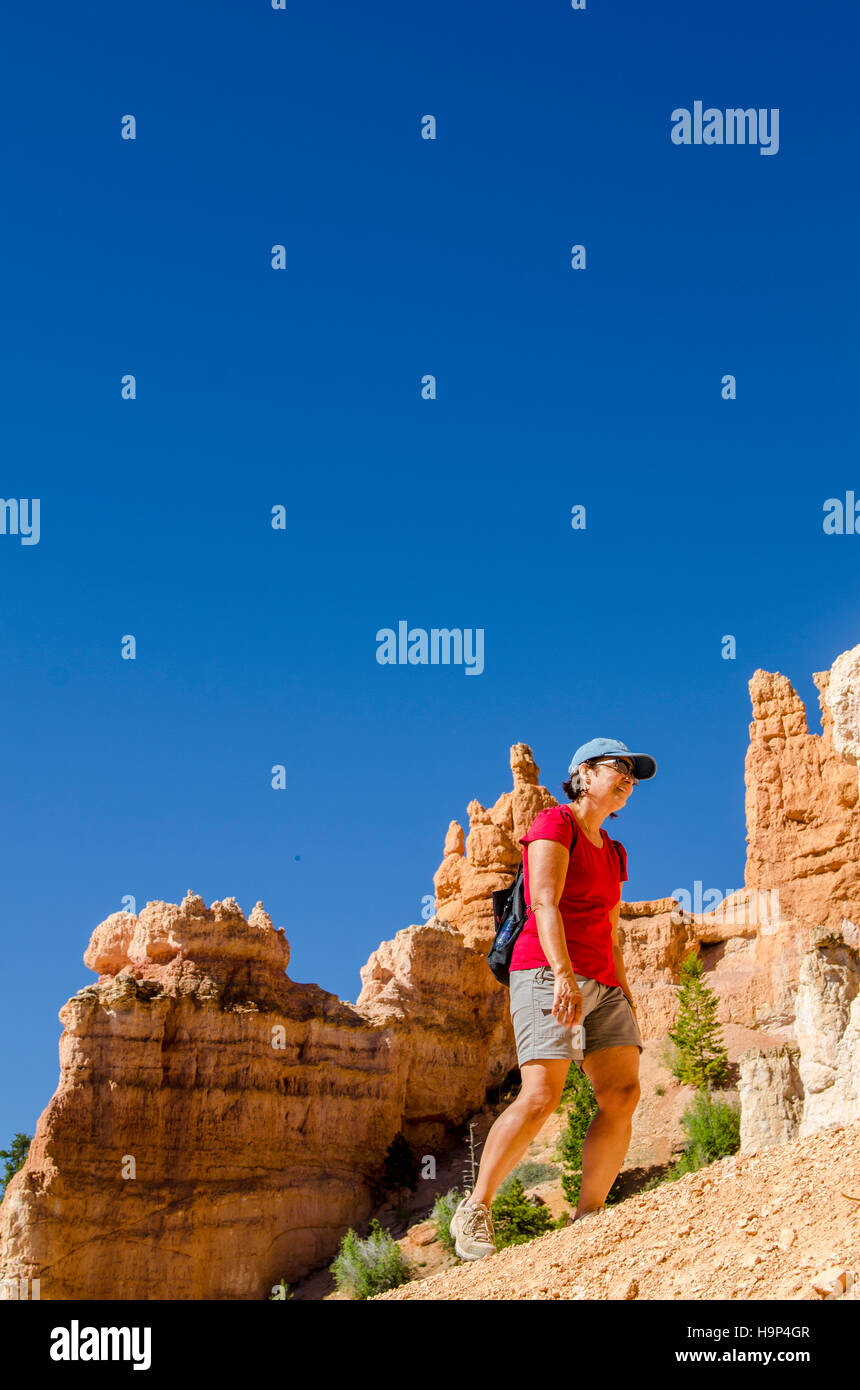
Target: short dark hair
(573, 788)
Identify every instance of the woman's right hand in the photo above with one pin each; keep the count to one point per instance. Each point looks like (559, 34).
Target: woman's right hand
(567, 1000)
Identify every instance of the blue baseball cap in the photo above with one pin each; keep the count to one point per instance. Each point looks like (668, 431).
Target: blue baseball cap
(644, 765)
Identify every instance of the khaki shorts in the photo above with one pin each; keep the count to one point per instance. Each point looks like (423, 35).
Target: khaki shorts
(607, 1019)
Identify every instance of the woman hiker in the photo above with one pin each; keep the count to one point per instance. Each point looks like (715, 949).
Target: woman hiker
(566, 971)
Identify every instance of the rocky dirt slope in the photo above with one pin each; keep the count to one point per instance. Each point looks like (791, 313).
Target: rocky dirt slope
(782, 1223)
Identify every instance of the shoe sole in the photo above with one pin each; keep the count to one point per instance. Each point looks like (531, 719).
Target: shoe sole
(586, 1217)
(463, 1256)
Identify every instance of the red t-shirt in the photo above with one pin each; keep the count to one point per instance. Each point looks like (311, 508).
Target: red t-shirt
(591, 890)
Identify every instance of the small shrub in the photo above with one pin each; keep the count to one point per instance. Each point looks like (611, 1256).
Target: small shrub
(366, 1267)
(689, 1162)
(714, 1129)
(714, 1126)
(659, 1090)
(515, 1219)
(530, 1173)
(443, 1209)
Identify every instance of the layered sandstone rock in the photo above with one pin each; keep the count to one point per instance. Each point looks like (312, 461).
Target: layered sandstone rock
(655, 937)
(791, 1092)
(803, 859)
(751, 950)
(191, 1151)
(771, 1096)
(804, 849)
(218, 1126)
(828, 1032)
(437, 996)
(801, 799)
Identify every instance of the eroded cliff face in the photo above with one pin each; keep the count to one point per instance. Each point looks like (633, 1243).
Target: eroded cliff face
(803, 858)
(827, 1027)
(788, 1093)
(185, 1155)
(801, 800)
(218, 1126)
(804, 843)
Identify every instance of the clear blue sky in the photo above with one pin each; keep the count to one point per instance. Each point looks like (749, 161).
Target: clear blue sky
(258, 387)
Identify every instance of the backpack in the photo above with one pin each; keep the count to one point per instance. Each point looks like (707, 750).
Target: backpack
(510, 914)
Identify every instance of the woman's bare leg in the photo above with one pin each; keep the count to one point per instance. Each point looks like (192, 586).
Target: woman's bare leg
(516, 1127)
(614, 1074)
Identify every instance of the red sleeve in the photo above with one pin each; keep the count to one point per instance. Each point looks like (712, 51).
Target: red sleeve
(551, 824)
(622, 855)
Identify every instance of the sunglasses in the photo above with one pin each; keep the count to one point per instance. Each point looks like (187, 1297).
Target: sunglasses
(620, 765)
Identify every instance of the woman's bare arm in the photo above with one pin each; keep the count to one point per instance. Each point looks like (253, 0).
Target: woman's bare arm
(548, 864)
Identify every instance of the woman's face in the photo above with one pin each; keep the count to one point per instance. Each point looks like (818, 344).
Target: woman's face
(609, 783)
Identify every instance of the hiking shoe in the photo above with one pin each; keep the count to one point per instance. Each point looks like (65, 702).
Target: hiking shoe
(472, 1229)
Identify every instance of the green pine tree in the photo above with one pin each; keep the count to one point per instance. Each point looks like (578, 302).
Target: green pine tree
(702, 1059)
(583, 1108)
(14, 1158)
(516, 1219)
